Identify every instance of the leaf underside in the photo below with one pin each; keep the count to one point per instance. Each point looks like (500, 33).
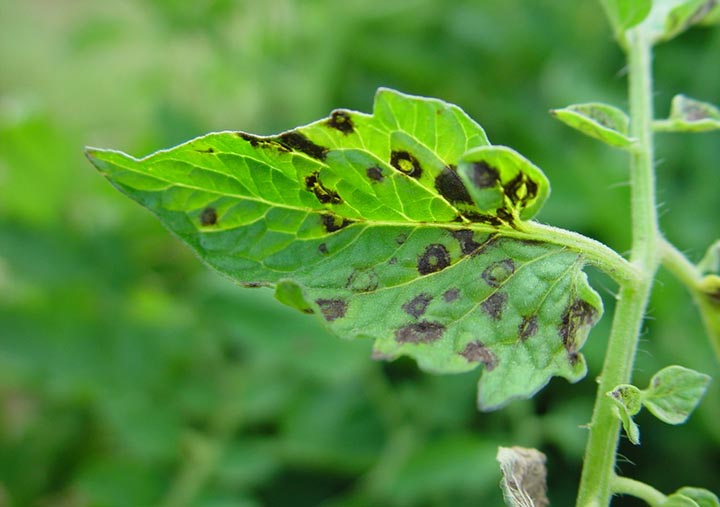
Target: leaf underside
(404, 226)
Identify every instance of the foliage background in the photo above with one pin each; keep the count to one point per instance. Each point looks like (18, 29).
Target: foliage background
(131, 375)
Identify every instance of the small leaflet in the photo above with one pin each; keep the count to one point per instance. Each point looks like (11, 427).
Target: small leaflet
(600, 121)
(625, 14)
(689, 115)
(670, 18)
(628, 402)
(674, 392)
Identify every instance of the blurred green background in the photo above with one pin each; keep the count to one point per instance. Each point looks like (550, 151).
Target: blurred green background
(132, 375)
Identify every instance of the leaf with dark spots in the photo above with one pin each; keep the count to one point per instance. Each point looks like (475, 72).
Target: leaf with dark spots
(342, 121)
(495, 304)
(332, 309)
(435, 258)
(420, 332)
(406, 163)
(208, 217)
(477, 352)
(410, 233)
(417, 305)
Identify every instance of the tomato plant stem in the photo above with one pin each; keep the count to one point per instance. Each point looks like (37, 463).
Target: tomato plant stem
(599, 463)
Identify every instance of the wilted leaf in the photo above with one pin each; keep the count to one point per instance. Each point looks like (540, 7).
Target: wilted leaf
(627, 400)
(524, 482)
(674, 392)
(601, 121)
(403, 226)
(689, 115)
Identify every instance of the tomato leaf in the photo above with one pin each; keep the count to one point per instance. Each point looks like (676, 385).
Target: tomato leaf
(404, 226)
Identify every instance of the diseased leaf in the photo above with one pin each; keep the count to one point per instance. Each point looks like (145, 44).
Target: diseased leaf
(624, 14)
(524, 482)
(403, 226)
(702, 497)
(669, 18)
(601, 121)
(689, 115)
(627, 400)
(674, 392)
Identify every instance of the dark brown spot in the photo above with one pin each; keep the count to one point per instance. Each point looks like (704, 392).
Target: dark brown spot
(263, 142)
(332, 309)
(405, 163)
(451, 295)
(504, 215)
(333, 223)
(393, 260)
(484, 176)
(401, 238)
(435, 258)
(497, 272)
(252, 285)
(451, 187)
(208, 217)
(323, 194)
(322, 247)
(207, 150)
(420, 332)
(417, 305)
(294, 140)
(528, 327)
(477, 352)
(375, 174)
(482, 218)
(579, 313)
(514, 187)
(495, 304)
(341, 120)
(466, 239)
(362, 280)
(532, 190)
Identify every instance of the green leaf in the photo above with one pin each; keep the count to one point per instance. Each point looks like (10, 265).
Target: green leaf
(674, 392)
(689, 115)
(679, 500)
(403, 226)
(702, 497)
(669, 18)
(601, 121)
(628, 402)
(624, 14)
(524, 482)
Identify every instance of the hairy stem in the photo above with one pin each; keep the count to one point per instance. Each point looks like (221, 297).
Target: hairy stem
(599, 463)
(645, 492)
